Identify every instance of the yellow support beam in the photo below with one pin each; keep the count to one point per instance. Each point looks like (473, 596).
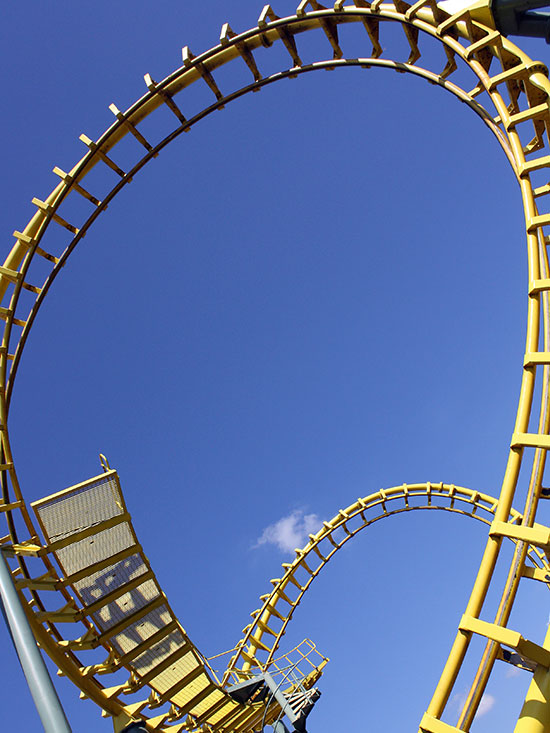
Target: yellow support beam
(429, 724)
(539, 535)
(507, 637)
(519, 91)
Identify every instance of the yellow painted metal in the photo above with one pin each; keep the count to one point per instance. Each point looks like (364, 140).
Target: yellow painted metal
(507, 637)
(534, 713)
(87, 530)
(539, 535)
(429, 724)
(279, 605)
(516, 107)
(269, 622)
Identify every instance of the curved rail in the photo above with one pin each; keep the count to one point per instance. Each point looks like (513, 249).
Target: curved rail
(89, 534)
(516, 94)
(263, 636)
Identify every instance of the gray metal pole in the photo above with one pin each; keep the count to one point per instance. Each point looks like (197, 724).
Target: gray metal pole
(42, 690)
(280, 727)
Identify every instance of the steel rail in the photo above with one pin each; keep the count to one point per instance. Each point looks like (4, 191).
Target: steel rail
(279, 605)
(490, 653)
(364, 63)
(469, 37)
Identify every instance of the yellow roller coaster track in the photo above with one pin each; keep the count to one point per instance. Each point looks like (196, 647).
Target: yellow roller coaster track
(510, 92)
(116, 597)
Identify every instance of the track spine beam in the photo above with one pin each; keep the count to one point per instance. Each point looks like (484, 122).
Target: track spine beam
(465, 37)
(157, 89)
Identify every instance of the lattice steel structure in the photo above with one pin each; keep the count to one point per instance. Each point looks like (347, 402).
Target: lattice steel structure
(109, 597)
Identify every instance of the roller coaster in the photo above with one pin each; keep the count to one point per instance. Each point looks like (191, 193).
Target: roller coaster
(74, 559)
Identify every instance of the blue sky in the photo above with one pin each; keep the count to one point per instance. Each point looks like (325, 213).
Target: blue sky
(317, 293)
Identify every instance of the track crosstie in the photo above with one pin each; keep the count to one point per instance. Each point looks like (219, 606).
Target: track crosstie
(511, 95)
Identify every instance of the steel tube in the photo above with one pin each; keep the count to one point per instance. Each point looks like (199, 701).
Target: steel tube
(34, 668)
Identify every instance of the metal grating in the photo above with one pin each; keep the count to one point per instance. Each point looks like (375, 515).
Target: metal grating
(115, 612)
(191, 691)
(87, 528)
(65, 513)
(89, 551)
(88, 531)
(161, 651)
(114, 576)
(136, 633)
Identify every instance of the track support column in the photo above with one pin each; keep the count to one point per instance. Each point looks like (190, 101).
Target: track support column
(34, 668)
(535, 713)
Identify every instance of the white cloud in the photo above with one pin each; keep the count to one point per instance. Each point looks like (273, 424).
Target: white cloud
(487, 702)
(289, 532)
